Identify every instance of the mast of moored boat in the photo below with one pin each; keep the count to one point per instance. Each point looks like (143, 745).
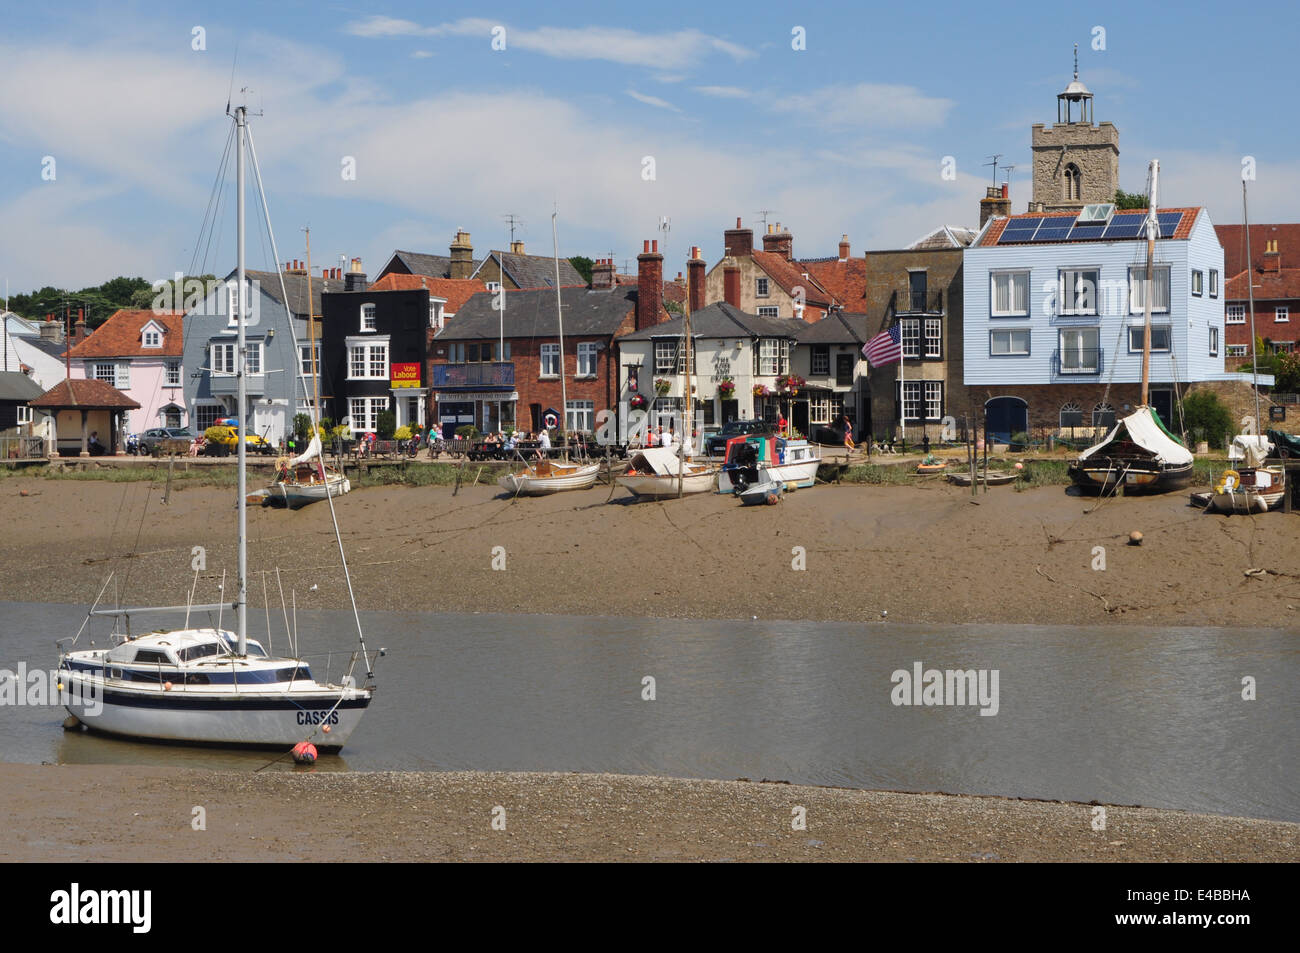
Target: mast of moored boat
(559, 317)
(1250, 295)
(1152, 226)
(685, 448)
(241, 499)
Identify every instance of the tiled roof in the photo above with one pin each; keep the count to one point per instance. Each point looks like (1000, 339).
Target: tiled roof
(532, 314)
(296, 286)
(417, 263)
(534, 271)
(790, 275)
(119, 336)
(996, 226)
(456, 291)
(846, 280)
(1271, 286)
(1233, 240)
(673, 290)
(838, 327)
(721, 320)
(87, 394)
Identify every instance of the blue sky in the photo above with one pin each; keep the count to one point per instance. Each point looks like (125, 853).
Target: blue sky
(845, 136)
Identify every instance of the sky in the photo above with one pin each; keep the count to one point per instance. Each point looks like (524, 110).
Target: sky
(611, 115)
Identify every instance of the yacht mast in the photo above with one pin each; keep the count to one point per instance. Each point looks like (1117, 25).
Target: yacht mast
(241, 497)
(1152, 226)
(559, 317)
(1250, 294)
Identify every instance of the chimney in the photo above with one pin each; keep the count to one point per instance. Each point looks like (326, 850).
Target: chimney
(602, 274)
(79, 333)
(51, 330)
(731, 282)
(738, 241)
(462, 255)
(1272, 263)
(356, 278)
(996, 203)
(844, 248)
(695, 268)
(649, 286)
(516, 248)
(779, 241)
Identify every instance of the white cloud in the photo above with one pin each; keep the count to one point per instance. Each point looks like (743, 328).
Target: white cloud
(663, 51)
(724, 92)
(421, 54)
(866, 104)
(652, 100)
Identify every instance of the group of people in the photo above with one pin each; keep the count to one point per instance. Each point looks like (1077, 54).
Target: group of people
(661, 437)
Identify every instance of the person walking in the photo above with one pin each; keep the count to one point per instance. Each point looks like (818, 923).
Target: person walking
(848, 432)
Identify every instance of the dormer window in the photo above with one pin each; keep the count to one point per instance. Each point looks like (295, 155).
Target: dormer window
(435, 313)
(151, 337)
(367, 317)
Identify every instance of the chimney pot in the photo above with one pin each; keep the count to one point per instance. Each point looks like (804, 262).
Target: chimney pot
(654, 246)
(738, 221)
(645, 247)
(1005, 187)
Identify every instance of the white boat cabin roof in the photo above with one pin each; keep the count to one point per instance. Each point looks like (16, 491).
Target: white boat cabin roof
(180, 645)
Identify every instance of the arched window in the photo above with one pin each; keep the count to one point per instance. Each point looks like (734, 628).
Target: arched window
(1103, 415)
(1071, 415)
(1071, 191)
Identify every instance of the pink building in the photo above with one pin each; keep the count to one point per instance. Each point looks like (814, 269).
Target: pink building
(138, 353)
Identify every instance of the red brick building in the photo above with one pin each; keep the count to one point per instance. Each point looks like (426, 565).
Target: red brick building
(498, 368)
(1276, 288)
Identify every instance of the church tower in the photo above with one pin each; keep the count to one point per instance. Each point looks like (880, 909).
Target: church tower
(1076, 163)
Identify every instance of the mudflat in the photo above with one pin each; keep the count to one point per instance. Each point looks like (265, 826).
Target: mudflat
(931, 553)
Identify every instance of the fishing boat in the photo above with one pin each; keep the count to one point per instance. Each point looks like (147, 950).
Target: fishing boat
(305, 479)
(659, 473)
(550, 476)
(205, 684)
(1252, 486)
(788, 461)
(1139, 454)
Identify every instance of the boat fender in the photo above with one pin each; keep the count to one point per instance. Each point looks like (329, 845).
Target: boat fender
(304, 752)
(1229, 481)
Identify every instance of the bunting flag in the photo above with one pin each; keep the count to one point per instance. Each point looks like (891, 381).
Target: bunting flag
(885, 348)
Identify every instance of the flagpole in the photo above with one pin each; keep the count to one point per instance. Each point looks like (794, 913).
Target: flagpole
(902, 393)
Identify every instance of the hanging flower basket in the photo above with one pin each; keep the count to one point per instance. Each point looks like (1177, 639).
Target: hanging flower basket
(761, 390)
(790, 384)
(638, 402)
(662, 386)
(726, 387)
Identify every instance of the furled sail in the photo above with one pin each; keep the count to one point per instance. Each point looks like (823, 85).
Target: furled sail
(313, 450)
(1144, 429)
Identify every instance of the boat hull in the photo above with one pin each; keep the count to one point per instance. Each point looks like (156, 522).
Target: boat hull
(801, 474)
(655, 486)
(185, 715)
(527, 483)
(1247, 498)
(1133, 477)
(300, 494)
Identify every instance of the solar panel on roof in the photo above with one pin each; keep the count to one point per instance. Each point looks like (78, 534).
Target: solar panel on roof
(1020, 229)
(1124, 231)
(1129, 218)
(1174, 217)
(1052, 233)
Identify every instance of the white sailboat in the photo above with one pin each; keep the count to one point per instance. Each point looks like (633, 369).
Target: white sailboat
(208, 685)
(544, 476)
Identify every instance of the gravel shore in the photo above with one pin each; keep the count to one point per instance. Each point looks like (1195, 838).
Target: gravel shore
(407, 816)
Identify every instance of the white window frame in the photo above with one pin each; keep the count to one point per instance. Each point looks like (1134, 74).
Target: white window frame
(436, 308)
(253, 364)
(172, 374)
(580, 415)
(1137, 276)
(1214, 282)
(762, 288)
(1281, 314)
(1198, 283)
(1010, 334)
(1073, 278)
(587, 359)
(1236, 350)
(232, 303)
(304, 358)
(665, 357)
(910, 338)
(1102, 410)
(222, 358)
(105, 371)
(365, 411)
(819, 408)
(549, 360)
(772, 357)
(1017, 286)
(1235, 314)
(367, 360)
(932, 339)
(1136, 333)
(24, 414)
(769, 311)
(1070, 407)
(1083, 335)
(151, 336)
(369, 317)
(1214, 342)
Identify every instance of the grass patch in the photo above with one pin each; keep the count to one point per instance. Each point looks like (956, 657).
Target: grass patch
(423, 474)
(875, 475)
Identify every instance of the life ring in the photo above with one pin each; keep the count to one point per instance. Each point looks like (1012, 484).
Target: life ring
(1229, 481)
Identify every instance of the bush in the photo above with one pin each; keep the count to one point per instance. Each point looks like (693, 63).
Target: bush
(385, 424)
(1204, 412)
(467, 432)
(302, 428)
(402, 433)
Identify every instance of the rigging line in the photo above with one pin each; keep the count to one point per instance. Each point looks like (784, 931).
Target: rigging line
(214, 199)
(314, 411)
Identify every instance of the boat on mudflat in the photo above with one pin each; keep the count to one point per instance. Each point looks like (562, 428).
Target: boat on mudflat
(546, 476)
(659, 473)
(787, 461)
(1139, 455)
(1252, 487)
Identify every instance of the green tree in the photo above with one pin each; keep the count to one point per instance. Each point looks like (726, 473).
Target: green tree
(1129, 200)
(385, 424)
(583, 266)
(1203, 411)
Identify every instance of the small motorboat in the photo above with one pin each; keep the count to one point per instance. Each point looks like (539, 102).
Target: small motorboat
(756, 485)
(991, 477)
(792, 462)
(1252, 487)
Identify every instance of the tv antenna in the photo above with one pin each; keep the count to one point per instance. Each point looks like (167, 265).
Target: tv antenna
(995, 157)
(763, 213)
(515, 222)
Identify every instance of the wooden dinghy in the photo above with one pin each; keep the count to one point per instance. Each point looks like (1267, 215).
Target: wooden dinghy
(992, 478)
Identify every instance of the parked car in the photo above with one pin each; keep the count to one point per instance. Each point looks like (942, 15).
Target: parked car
(222, 441)
(716, 445)
(157, 440)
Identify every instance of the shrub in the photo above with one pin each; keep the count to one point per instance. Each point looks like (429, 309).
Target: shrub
(302, 428)
(1204, 412)
(467, 432)
(385, 424)
(402, 433)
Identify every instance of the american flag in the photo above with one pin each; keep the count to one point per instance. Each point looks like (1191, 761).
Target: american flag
(885, 348)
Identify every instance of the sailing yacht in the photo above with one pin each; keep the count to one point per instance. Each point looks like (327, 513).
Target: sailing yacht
(1138, 454)
(208, 685)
